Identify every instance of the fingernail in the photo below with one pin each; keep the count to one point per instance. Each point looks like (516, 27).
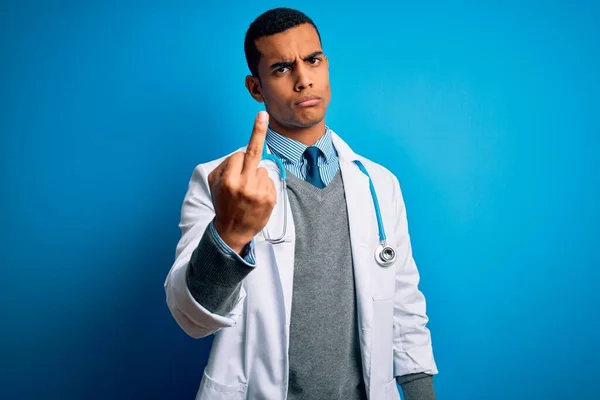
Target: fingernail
(263, 116)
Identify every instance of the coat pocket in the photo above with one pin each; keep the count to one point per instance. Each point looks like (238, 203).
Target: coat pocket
(213, 390)
(383, 281)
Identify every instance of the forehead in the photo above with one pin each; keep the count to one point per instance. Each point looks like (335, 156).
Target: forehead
(300, 41)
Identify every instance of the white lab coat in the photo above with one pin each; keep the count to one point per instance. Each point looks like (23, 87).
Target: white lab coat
(249, 356)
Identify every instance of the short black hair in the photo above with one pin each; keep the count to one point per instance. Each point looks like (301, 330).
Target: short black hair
(270, 23)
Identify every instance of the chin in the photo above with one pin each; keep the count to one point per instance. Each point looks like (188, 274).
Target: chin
(306, 120)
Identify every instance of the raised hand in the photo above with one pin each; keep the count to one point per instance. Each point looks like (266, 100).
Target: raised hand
(243, 194)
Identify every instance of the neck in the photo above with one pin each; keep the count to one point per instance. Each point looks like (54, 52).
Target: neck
(307, 136)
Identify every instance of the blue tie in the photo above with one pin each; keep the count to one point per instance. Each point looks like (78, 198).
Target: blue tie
(313, 175)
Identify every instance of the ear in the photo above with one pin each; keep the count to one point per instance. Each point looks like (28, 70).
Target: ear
(254, 88)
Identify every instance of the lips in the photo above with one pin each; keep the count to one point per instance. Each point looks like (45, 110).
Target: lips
(308, 101)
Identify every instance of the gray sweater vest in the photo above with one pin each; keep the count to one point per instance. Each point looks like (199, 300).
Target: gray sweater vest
(325, 360)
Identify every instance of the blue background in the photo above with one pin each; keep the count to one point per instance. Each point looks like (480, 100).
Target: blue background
(488, 114)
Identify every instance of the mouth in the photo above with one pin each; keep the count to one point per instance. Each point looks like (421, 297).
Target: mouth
(308, 101)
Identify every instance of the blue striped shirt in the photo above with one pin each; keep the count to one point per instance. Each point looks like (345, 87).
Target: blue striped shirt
(291, 153)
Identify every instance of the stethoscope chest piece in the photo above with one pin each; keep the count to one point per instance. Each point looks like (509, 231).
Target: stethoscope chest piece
(385, 255)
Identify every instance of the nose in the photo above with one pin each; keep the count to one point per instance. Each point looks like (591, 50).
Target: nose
(303, 79)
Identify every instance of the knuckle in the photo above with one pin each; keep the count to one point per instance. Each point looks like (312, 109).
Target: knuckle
(248, 193)
(252, 152)
(268, 197)
(262, 172)
(216, 172)
(230, 183)
(271, 200)
(235, 158)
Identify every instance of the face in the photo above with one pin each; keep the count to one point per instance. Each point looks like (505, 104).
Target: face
(294, 78)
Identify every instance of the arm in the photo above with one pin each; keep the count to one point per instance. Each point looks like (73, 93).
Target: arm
(197, 302)
(215, 272)
(413, 354)
(203, 287)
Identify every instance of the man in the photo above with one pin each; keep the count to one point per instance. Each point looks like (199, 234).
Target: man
(313, 316)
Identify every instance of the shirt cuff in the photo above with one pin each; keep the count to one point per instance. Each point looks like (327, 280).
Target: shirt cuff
(247, 256)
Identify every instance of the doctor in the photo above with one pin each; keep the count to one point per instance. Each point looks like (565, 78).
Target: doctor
(314, 315)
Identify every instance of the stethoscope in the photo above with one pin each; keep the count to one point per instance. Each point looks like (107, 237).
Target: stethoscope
(385, 255)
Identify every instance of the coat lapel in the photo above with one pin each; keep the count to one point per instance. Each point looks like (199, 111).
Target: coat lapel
(358, 200)
(363, 224)
(363, 230)
(283, 253)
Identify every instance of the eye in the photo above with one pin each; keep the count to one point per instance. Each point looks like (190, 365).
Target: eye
(314, 60)
(281, 70)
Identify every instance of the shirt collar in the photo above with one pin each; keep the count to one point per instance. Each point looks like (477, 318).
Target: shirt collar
(293, 151)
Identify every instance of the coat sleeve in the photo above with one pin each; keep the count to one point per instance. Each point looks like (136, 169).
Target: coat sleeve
(196, 214)
(413, 350)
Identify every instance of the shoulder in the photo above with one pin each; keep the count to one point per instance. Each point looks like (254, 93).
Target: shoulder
(377, 170)
(386, 183)
(380, 175)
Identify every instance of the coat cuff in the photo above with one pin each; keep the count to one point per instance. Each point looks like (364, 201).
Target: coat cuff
(414, 360)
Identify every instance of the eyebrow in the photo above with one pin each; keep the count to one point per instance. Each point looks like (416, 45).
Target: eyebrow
(281, 64)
